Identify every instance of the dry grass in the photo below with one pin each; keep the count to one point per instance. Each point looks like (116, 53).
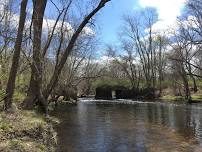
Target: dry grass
(26, 131)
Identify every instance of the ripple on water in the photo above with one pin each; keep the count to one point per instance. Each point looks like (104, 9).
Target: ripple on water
(126, 125)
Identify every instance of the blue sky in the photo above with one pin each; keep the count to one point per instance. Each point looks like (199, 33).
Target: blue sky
(110, 20)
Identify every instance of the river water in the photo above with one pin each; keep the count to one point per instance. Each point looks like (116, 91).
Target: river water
(129, 126)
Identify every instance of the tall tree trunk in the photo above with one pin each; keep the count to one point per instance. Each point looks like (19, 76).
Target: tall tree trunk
(194, 84)
(68, 50)
(186, 85)
(16, 56)
(195, 88)
(35, 88)
(160, 66)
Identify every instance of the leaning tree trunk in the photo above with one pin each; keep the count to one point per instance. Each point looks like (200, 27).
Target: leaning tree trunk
(68, 50)
(16, 56)
(35, 88)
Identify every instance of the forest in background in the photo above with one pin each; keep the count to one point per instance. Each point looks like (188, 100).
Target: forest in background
(40, 56)
(43, 58)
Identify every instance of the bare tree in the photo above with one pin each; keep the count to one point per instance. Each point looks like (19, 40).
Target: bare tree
(35, 89)
(7, 34)
(70, 47)
(139, 30)
(179, 67)
(127, 62)
(16, 56)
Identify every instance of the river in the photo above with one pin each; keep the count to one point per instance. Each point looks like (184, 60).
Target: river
(127, 126)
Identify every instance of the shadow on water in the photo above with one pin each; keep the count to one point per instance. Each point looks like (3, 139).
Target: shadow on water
(100, 126)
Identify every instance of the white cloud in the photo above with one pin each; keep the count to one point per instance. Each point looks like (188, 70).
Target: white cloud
(48, 25)
(88, 31)
(105, 59)
(191, 22)
(168, 10)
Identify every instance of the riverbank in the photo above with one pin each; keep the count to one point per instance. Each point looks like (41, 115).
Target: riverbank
(171, 98)
(30, 131)
(195, 98)
(27, 131)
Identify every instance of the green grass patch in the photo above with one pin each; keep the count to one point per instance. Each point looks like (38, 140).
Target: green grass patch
(197, 98)
(172, 98)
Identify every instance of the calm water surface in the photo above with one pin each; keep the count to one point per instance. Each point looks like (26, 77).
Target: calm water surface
(130, 126)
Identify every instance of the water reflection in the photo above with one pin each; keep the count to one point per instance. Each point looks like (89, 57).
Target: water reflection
(138, 127)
